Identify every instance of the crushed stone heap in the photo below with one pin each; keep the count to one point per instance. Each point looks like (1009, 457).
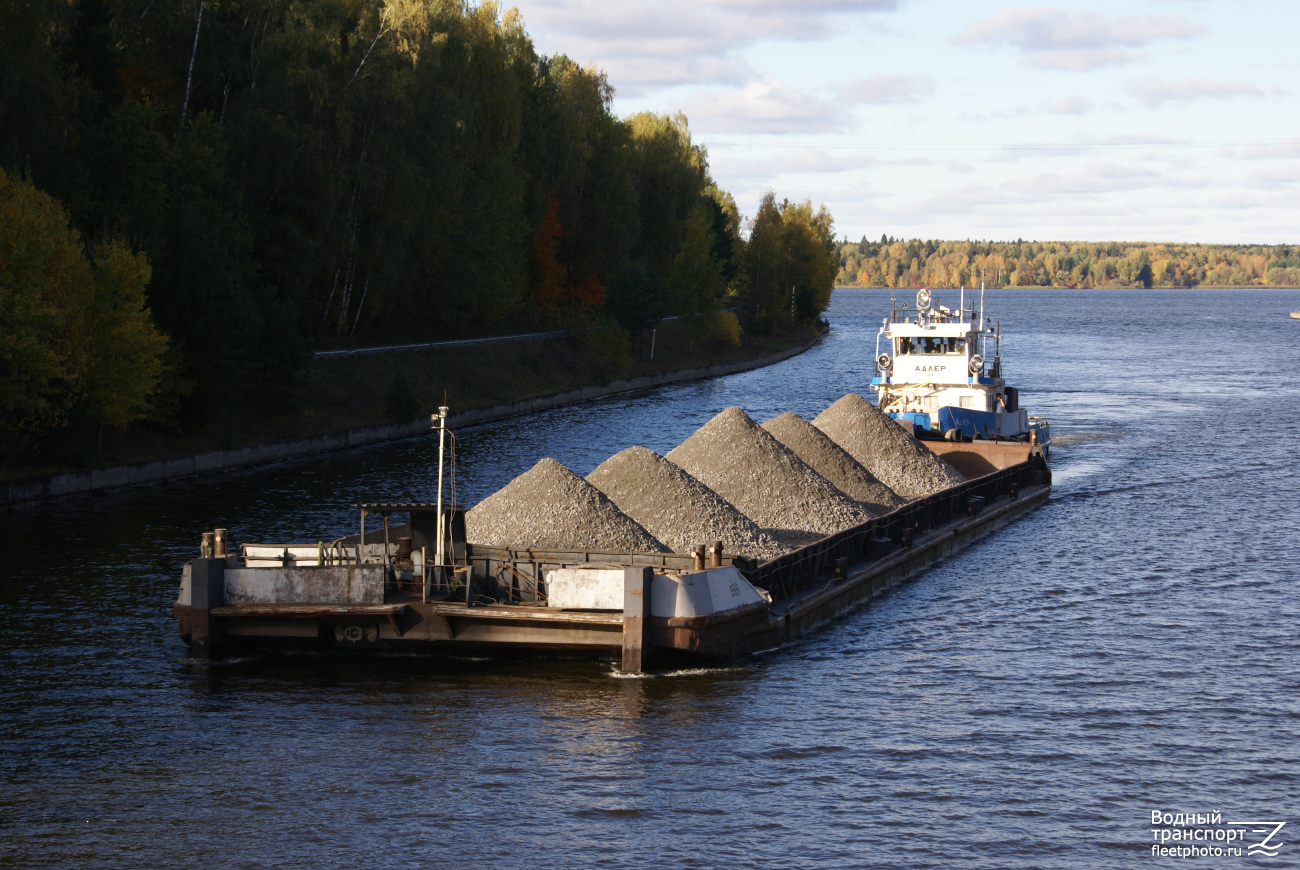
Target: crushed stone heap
(829, 459)
(900, 461)
(675, 507)
(739, 461)
(550, 507)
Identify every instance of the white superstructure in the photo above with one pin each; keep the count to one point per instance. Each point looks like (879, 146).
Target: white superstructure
(934, 370)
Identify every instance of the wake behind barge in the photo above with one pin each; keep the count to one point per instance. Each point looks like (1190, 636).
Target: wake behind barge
(374, 591)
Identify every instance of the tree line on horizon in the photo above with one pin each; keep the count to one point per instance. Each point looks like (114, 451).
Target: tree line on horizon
(892, 262)
(277, 176)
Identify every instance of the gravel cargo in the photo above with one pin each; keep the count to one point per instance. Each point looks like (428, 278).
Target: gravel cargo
(767, 482)
(897, 459)
(549, 507)
(675, 507)
(830, 460)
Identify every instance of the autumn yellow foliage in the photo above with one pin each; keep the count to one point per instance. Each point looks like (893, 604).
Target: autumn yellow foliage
(943, 264)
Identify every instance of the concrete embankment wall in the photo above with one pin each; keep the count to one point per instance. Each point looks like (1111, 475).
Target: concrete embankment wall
(53, 487)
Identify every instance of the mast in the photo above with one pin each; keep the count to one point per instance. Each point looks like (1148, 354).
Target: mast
(442, 438)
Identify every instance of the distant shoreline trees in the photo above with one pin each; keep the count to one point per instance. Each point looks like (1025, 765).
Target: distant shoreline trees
(949, 264)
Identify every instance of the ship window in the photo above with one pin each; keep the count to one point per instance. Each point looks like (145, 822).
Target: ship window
(957, 345)
(905, 345)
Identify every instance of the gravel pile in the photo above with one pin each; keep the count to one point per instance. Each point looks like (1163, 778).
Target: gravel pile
(549, 507)
(772, 486)
(675, 507)
(829, 459)
(900, 461)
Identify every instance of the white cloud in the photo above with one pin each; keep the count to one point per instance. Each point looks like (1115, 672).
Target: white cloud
(1071, 105)
(888, 89)
(738, 166)
(763, 106)
(1276, 177)
(1057, 39)
(1283, 150)
(646, 45)
(1153, 92)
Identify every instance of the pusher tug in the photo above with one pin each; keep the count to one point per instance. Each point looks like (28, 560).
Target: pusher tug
(934, 377)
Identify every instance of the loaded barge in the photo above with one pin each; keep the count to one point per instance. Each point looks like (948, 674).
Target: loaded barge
(420, 586)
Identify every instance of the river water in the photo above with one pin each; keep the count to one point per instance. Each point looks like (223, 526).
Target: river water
(1129, 647)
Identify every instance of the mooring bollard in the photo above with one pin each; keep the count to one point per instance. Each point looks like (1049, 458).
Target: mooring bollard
(715, 555)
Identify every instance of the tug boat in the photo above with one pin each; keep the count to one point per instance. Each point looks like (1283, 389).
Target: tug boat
(937, 379)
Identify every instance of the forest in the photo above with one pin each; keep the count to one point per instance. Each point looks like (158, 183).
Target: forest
(947, 264)
(196, 195)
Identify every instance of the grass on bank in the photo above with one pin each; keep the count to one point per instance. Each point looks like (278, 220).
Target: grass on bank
(340, 393)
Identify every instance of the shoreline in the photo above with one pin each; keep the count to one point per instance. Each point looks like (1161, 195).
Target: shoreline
(43, 489)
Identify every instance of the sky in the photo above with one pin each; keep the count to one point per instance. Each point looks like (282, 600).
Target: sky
(1147, 120)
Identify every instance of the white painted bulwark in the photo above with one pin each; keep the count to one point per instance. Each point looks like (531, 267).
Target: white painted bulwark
(338, 585)
(699, 593)
(585, 588)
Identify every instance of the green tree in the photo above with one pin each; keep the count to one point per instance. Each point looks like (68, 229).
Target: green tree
(71, 329)
(125, 350)
(43, 280)
(791, 261)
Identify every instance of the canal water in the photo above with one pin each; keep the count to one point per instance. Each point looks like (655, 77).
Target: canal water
(1130, 647)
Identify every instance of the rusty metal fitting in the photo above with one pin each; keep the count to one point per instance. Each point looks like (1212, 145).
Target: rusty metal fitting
(715, 555)
(697, 557)
(219, 544)
(205, 546)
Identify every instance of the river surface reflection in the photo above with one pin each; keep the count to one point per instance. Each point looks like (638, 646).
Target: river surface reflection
(1129, 647)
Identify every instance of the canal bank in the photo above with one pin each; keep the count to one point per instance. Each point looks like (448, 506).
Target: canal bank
(17, 494)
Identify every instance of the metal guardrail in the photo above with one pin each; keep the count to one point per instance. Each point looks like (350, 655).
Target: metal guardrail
(466, 342)
(428, 345)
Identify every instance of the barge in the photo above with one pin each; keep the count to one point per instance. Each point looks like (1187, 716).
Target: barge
(379, 590)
